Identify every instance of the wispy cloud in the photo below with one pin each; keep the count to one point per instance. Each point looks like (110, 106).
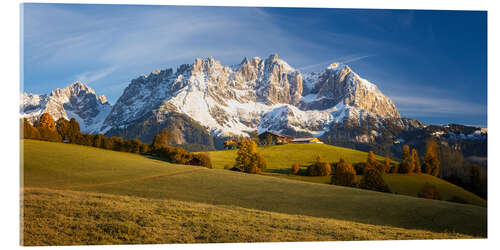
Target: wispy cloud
(354, 59)
(92, 76)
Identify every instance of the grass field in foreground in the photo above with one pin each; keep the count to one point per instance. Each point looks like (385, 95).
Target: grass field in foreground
(56, 217)
(280, 158)
(79, 168)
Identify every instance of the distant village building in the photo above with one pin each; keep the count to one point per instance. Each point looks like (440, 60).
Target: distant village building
(270, 137)
(273, 138)
(306, 140)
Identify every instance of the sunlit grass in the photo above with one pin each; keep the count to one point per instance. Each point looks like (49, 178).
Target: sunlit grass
(59, 167)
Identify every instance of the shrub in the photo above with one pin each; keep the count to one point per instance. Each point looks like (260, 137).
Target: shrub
(295, 169)
(429, 191)
(205, 159)
(345, 175)
(319, 169)
(360, 167)
(373, 180)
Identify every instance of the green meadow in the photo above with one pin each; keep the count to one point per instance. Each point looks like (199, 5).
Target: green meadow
(82, 195)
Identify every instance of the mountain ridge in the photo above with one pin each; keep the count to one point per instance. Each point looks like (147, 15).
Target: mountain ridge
(234, 100)
(206, 102)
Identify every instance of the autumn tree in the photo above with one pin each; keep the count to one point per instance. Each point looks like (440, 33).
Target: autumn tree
(372, 180)
(161, 139)
(29, 132)
(387, 164)
(345, 175)
(98, 141)
(133, 145)
(47, 128)
(295, 169)
(371, 158)
(319, 168)
(415, 161)
(248, 159)
(46, 121)
(431, 162)
(406, 164)
(68, 130)
(371, 162)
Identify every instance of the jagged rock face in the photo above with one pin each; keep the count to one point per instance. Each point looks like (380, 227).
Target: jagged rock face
(255, 95)
(339, 84)
(75, 101)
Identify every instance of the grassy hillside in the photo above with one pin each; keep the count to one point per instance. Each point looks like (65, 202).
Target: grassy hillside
(283, 156)
(280, 158)
(116, 175)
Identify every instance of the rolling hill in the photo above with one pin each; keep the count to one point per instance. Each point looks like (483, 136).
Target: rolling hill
(76, 195)
(280, 158)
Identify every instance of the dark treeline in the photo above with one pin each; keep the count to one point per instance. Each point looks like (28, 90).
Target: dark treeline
(69, 132)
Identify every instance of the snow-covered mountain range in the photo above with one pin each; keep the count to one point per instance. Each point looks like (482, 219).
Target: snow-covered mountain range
(255, 95)
(206, 100)
(75, 101)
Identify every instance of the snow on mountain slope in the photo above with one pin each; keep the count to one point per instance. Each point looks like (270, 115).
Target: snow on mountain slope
(75, 101)
(255, 95)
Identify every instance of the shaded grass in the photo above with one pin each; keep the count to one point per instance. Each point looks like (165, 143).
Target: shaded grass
(411, 184)
(77, 218)
(85, 170)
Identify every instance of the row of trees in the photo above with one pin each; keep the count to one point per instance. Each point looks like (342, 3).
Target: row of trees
(345, 174)
(69, 131)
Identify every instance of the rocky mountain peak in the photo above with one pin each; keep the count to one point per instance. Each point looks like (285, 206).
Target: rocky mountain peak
(205, 65)
(77, 101)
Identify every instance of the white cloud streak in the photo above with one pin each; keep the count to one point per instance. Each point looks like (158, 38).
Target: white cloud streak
(92, 76)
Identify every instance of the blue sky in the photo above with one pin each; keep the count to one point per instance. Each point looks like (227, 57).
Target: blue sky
(433, 64)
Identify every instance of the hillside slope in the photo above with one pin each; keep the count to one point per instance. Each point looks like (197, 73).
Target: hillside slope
(280, 158)
(79, 168)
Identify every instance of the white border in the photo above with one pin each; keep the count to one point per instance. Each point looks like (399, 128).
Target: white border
(9, 27)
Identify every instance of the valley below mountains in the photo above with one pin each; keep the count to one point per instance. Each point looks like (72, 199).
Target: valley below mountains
(205, 103)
